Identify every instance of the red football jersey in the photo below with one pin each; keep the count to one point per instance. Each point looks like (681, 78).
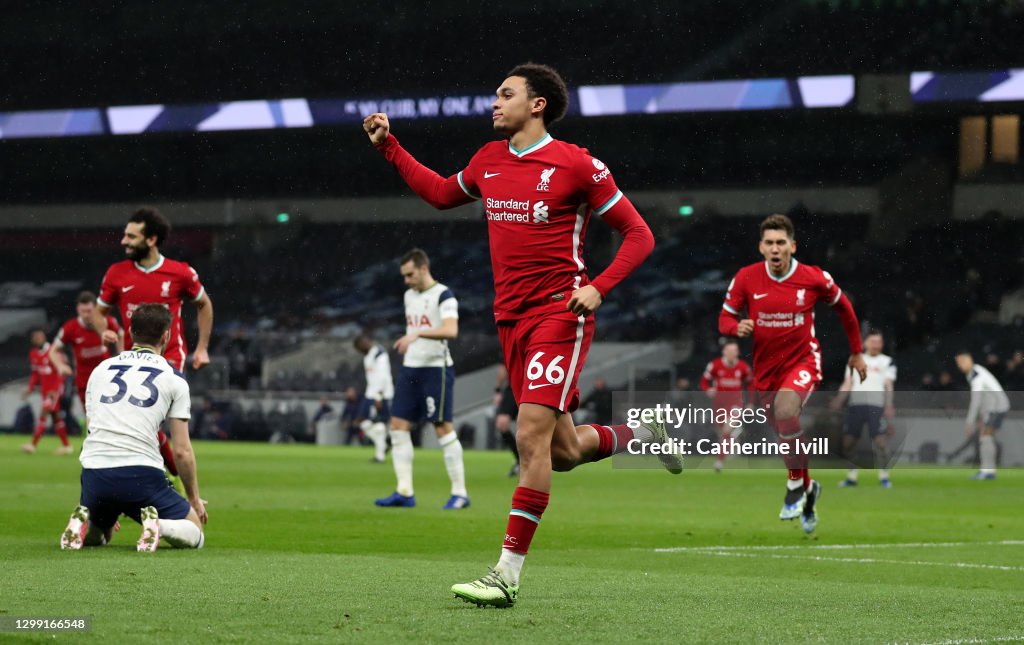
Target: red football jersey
(86, 345)
(729, 381)
(537, 202)
(43, 372)
(128, 285)
(783, 313)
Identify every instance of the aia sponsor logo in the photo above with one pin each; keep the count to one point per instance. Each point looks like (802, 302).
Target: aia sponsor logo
(417, 321)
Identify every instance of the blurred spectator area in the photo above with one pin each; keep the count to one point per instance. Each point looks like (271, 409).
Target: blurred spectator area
(160, 45)
(277, 288)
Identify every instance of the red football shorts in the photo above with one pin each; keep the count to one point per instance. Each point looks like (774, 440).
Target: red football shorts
(803, 379)
(544, 355)
(51, 401)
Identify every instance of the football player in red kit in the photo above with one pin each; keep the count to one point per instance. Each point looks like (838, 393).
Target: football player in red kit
(85, 342)
(538, 195)
(778, 296)
(724, 380)
(146, 276)
(51, 386)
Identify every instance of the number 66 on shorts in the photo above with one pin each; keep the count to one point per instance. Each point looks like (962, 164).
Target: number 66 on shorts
(544, 355)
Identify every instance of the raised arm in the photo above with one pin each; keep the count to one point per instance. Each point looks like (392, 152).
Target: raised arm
(437, 191)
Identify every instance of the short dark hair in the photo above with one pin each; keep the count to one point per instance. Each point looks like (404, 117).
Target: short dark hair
(362, 339)
(543, 80)
(730, 341)
(778, 223)
(149, 322)
(418, 257)
(874, 332)
(964, 352)
(153, 223)
(85, 297)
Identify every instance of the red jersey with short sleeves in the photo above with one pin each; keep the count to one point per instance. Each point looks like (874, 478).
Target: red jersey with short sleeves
(537, 202)
(728, 380)
(782, 309)
(86, 345)
(127, 285)
(44, 373)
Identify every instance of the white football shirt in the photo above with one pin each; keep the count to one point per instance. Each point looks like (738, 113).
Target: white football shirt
(377, 365)
(871, 391)
(425, 310)
(987, 395)
(126, 400)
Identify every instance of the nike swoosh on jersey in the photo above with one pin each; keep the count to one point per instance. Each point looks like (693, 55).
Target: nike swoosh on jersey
(531, 386)
(127, 289)
(758, 296)
(488, 175)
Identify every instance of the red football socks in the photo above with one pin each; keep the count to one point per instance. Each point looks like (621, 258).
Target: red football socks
(791, 434)
(527, 507)
(611, 440)
(62, 431)
(40, 429)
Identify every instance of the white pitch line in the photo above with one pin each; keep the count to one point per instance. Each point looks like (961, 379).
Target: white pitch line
(972, 641)
(819, 558)
(884, 545)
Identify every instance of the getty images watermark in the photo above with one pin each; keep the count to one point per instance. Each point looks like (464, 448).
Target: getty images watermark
(676, 418)
(839, 431)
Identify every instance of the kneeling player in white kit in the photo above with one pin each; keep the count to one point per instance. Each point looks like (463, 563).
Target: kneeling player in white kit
(126, 400)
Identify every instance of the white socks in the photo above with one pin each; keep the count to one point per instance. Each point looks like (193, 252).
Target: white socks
(453, 462)
(401, 459)
(643, 434)
(509, 565)
(883, 474)
(378, 434)
(181, 533)
(852, 474)
(987, 448)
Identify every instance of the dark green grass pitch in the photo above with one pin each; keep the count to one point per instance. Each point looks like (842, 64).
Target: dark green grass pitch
(296, 552)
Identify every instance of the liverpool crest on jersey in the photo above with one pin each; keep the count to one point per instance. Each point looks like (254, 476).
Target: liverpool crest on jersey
(545, 179)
